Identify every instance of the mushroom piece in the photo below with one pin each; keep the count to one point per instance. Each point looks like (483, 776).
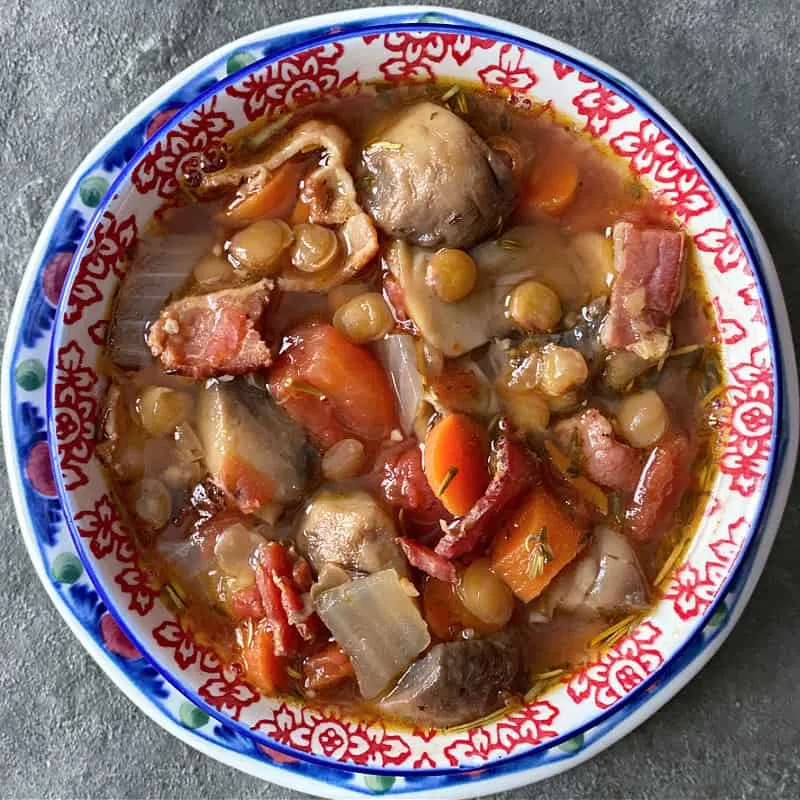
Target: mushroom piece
(329, 192)
(523, 253)
(350, 529)
(457, 682)
(434, 181)
(605, 581)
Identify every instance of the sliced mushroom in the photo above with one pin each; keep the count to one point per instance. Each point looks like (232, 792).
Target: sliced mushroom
(457, 682)
(522, 253)
(435, 182)
(605, 581)
(350, 529)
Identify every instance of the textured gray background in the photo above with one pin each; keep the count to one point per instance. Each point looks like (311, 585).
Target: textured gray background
(70, 69)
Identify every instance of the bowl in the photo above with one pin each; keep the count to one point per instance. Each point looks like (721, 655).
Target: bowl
(77, 267)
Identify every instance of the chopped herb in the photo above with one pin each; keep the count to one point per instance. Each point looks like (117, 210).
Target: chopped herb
(451, 92)
(682, 351)
(476, 723)
(448, 479)
(364, 182)
(670, 562)
(585, 538)
(509, 244)
(434, 115)
(461, 103)
(173, 596)
(635, 189)
(384, 146)
(614, 632)
(306, 388)
(505, 122)
(616, 509)
(575, 454)
(293, 673)
(540, 553)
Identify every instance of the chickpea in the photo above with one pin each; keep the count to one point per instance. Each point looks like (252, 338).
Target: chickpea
(343, 460)
(529, 411)
(364, 318)
(212, 269)
(563, 369)
(534, 306)
(339, 295)
(642, 418)
(259, 246)
(315, 247)
(451, 274)
(152, 502)
(486, 595)
(161, 409)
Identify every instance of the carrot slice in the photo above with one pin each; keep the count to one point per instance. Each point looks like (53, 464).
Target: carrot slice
(551, 187)
(456, 455)
(266, 671)
(276, 198)
(327, 668)
(535, 545)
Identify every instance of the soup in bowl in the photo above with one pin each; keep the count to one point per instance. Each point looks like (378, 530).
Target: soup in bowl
(407, 407)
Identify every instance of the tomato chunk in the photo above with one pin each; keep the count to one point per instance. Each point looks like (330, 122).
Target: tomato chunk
(332, 387)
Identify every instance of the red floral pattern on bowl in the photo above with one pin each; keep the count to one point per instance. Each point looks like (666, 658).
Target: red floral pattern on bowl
(747, 405)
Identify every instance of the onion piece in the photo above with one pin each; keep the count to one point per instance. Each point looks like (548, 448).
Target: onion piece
(397, 352)
(162, 265)
(378, 625)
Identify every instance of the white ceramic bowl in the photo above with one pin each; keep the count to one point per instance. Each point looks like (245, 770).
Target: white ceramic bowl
(181, 682)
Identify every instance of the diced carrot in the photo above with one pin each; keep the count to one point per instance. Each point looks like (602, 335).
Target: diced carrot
(276, 198)
(327, 668)
(456, 462)
(266, 671)
(550, 187)
(444, 612)
(591, 491)
(535, 545)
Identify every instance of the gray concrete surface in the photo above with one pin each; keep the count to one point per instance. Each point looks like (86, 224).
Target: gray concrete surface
(728, 69)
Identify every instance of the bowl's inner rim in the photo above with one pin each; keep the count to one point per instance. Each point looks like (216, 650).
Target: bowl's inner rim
(645, 107)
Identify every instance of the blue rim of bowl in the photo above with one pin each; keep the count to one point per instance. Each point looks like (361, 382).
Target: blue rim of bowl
(779, 439)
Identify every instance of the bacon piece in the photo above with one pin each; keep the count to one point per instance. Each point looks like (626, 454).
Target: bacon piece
(516, 470)
(427, 560)
(247, 603)
(289, 613)
(200, 336)
(664, 479)
(603, 459)
(647, 289)
(405, 486)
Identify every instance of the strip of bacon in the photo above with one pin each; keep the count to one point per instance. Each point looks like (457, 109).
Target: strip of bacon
(664, 479)
(427, 560)
(647, 289)
(516, 470)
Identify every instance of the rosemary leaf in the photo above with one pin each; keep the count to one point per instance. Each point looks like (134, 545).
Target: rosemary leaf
(448, 479)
